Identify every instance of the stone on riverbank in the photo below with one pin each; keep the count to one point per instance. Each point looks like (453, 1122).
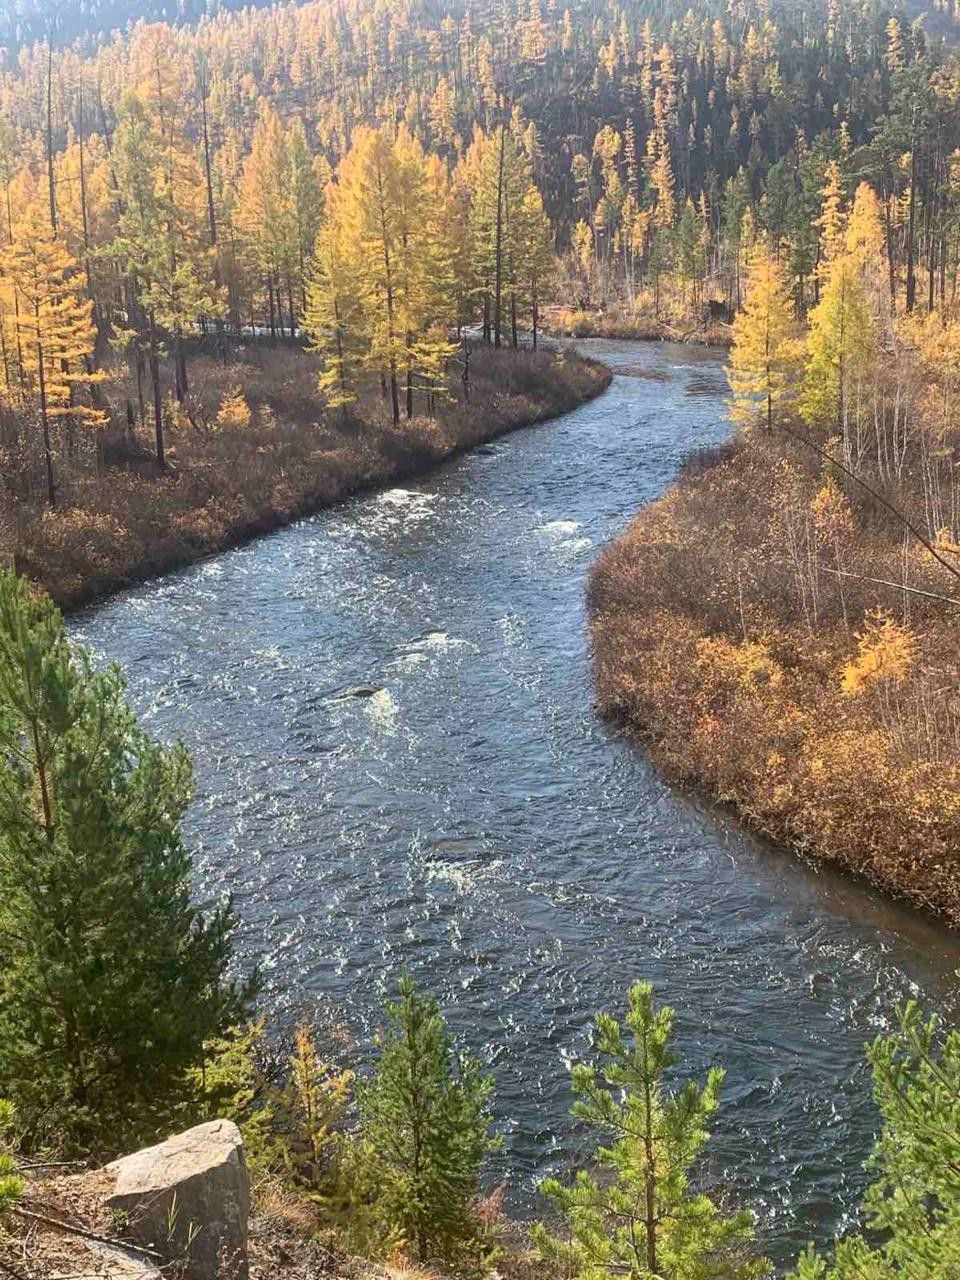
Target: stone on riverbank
(189, 1199)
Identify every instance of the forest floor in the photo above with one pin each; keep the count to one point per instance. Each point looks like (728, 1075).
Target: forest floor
(120, 519)
(774, 637)
(62, 1230)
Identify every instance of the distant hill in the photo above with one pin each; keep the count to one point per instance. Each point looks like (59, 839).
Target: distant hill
(23, 22)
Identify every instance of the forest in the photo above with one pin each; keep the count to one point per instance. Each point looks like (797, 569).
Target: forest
(379, 186)
(253, 260)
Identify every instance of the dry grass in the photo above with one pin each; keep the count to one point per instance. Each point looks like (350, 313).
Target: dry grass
(824, 706)
(118, 520)
(638, 324)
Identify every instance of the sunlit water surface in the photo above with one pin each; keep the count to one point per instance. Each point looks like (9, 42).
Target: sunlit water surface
(475, 821)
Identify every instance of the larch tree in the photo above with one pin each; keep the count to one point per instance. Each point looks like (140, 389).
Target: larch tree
(502, 180)
(536, 255)
(56, 335)
(334, 317)
(389, 300)
(832, 222)
(263, 213)
(366, 202)
(840, 350)
(168, 288)
(305, 213)
(766, 352)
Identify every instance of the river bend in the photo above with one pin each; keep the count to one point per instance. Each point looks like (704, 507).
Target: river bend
(473, 820)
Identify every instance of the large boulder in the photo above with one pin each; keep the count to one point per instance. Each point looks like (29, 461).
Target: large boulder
(189, 1199)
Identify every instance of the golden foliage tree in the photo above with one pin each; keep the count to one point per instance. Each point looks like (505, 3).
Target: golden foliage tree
(55, 330)
(764, 358)
(840, 349)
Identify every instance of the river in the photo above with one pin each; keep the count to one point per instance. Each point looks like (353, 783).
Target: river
(475, 821)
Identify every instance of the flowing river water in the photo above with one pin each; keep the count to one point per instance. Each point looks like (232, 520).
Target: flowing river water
(474, 820)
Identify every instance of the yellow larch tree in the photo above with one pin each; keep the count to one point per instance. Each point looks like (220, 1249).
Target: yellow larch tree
(841, 350)
(383, 296)
(334, 319)
(832, 223)
(54, 322)
(765, 357)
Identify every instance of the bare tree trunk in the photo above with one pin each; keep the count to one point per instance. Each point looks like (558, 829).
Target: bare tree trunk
(50, 183)
(157, 396)
(45, 421)
(498, 281)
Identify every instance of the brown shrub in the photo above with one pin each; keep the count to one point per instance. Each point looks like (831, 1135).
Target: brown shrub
(724, 634)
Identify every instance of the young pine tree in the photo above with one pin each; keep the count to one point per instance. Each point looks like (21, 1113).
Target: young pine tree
(638, 1217)
(425, 1118)
(912, 1211)
(110, 980)
(765, 357)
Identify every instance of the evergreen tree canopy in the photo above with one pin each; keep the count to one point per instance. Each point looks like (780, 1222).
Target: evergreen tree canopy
(110, 979)
(638, 1215)
(912, 1210)
(425, 1116)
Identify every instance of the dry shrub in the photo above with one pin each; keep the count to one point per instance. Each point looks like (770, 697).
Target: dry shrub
(234, 412)
(825, 707)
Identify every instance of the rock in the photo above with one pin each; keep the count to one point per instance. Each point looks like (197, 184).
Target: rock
(109, 1263)
(362, 691)
(189, 1198)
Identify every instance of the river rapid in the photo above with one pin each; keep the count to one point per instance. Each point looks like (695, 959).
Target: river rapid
(473, 820)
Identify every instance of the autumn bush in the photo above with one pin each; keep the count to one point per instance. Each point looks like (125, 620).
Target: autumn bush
(252, 448)
(742, 626)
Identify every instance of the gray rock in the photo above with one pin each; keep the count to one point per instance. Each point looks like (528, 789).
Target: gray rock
(189, 1198)
(105, 1262)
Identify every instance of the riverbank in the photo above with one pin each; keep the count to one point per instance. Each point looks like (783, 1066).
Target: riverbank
(774, 640)
(262, 450)
(625, 324)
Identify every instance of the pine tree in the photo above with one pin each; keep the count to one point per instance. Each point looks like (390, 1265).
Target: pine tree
(638, 1217)
(766, 352)
(425, 1117)
(912, 1210)
(110, 979)
(690, 262)
(12, 1184)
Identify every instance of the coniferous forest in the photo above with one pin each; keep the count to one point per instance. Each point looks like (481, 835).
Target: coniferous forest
(257, 259)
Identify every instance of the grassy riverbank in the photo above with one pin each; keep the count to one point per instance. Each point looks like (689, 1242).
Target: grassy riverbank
(775, 639)
(620, 320)
(258, 450)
